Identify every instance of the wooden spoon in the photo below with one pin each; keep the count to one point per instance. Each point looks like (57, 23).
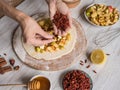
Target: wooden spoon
(32, 85)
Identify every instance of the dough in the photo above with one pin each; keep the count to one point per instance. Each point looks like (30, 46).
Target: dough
(56, 54)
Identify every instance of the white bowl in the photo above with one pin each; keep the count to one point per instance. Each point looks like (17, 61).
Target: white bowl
(91, 21)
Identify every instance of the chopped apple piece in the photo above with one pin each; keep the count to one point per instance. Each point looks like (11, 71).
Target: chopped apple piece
(37, 49)
(41, 23)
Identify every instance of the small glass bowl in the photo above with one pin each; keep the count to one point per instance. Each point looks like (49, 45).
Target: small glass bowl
(42, 77)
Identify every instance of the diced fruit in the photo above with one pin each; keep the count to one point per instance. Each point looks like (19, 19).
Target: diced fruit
(56, 45)
(102, 15)
(89, 10)
(53, 48)
(37, 49)
(61, 47)
(59, 41)
(98, 56)
(93, 14)
(41, 23)
(61, 44)
(110, 8)
(49, 49)
(88, 14)
(68, 37)
(41, 50)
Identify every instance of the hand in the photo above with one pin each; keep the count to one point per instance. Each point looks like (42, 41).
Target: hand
(58, 5)
(33, 33)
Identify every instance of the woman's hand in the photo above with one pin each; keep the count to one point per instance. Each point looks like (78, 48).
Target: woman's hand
(33, 33)
(58, 5)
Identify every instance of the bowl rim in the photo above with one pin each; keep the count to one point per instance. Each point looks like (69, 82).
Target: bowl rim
(71, 2)
(86, 74)
(32, 78)
(91, 21)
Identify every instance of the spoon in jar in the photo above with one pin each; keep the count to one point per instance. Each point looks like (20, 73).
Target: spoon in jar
(32, 85)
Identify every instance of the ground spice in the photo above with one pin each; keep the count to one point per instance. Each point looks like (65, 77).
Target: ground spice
(61, 21)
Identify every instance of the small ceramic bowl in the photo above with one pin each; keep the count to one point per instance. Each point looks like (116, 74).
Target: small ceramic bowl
(47, 81)
(71, 3)
(86, 75)
(91, 21)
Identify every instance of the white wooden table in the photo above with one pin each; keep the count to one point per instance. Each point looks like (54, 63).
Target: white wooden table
(107, 77)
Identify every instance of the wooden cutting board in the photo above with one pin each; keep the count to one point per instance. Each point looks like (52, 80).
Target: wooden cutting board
(50, 65)
(13, 3)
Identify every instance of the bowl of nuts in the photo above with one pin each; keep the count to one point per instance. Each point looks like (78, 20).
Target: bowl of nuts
(77, 80)
(101, 15)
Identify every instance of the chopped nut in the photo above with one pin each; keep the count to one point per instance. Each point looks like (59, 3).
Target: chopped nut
(81, 61)
(81, 64)
(5, 54)
(2, 62)
(94, 71)
(16, 68)
(85, 60)
(12, 62)
(108, 54)
(88, 66)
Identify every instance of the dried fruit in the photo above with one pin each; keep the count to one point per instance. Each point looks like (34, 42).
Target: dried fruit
(76, 80)
(108, 54)
(5, 54)
(81, 64)
(12, 62)
(88, 66)
(85, 60)
(94, 71)
(16, 68)
(81, 61)
(61, 21)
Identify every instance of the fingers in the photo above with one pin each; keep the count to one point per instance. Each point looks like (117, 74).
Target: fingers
(59, 32)
(52, 7)
(70, 19)
(55, 29)
(45, 34)
(62, 7)
(39, 42)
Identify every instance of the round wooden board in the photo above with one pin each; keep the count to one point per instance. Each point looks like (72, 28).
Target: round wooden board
(51, 65)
